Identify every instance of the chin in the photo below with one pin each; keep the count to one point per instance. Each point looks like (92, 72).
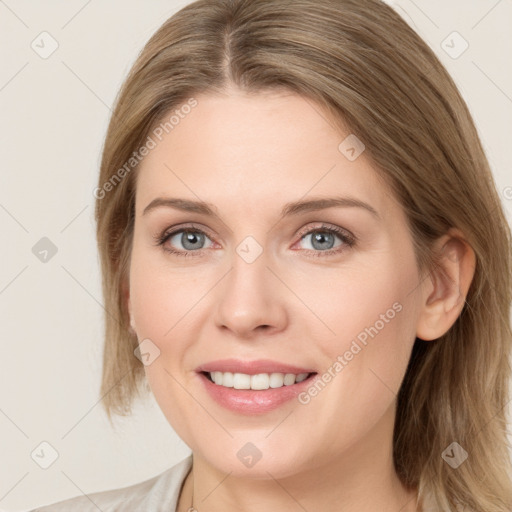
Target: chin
(243, 458)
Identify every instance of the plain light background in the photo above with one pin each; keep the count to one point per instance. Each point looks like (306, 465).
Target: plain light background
(54, 115)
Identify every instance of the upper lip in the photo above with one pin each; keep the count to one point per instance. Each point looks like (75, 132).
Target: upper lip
(251, 367)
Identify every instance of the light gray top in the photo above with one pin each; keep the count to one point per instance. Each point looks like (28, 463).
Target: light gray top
(158, 494)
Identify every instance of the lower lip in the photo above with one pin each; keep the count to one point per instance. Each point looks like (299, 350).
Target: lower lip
(250, 401)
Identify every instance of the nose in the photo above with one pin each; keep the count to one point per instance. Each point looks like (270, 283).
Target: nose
(251, 299)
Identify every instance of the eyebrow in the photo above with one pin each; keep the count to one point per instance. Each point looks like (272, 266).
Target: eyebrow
(294, 208)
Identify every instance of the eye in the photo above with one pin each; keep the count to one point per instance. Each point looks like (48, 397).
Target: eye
(322, 240)
(191, 240)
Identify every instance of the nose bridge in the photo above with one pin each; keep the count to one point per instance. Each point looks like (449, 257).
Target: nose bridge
(249, 268)
(248, 297)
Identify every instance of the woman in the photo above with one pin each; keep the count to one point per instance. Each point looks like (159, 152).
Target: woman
(306, 261)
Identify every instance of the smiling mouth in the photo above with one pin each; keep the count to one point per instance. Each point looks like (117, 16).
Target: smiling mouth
(260, 381)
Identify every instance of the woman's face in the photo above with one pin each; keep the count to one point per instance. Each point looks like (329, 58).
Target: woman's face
(268, 284)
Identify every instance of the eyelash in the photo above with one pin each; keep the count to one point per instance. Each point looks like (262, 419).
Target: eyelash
(348, 240)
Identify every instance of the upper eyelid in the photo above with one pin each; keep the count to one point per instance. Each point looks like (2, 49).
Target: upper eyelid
(337, 230)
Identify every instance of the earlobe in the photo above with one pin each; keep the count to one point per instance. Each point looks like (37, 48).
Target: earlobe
(445, 292)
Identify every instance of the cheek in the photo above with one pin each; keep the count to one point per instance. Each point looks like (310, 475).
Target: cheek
(159, 310)
(160, 296)
(162, 301)
(373, 312)
(375, 298)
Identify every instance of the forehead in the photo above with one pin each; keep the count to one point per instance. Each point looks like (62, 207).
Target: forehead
(253, 151)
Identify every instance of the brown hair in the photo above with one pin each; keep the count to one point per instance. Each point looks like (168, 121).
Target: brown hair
(362, 63)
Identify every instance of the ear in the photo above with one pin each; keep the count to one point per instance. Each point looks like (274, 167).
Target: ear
(444, 293)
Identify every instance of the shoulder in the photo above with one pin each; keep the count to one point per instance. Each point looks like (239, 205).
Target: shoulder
(148, 496)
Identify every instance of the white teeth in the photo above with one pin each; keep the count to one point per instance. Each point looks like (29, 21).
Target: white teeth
(257, 382)
(260, 381)
(289, 379)
(276, 380)
(241, 381)
(227, 379)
